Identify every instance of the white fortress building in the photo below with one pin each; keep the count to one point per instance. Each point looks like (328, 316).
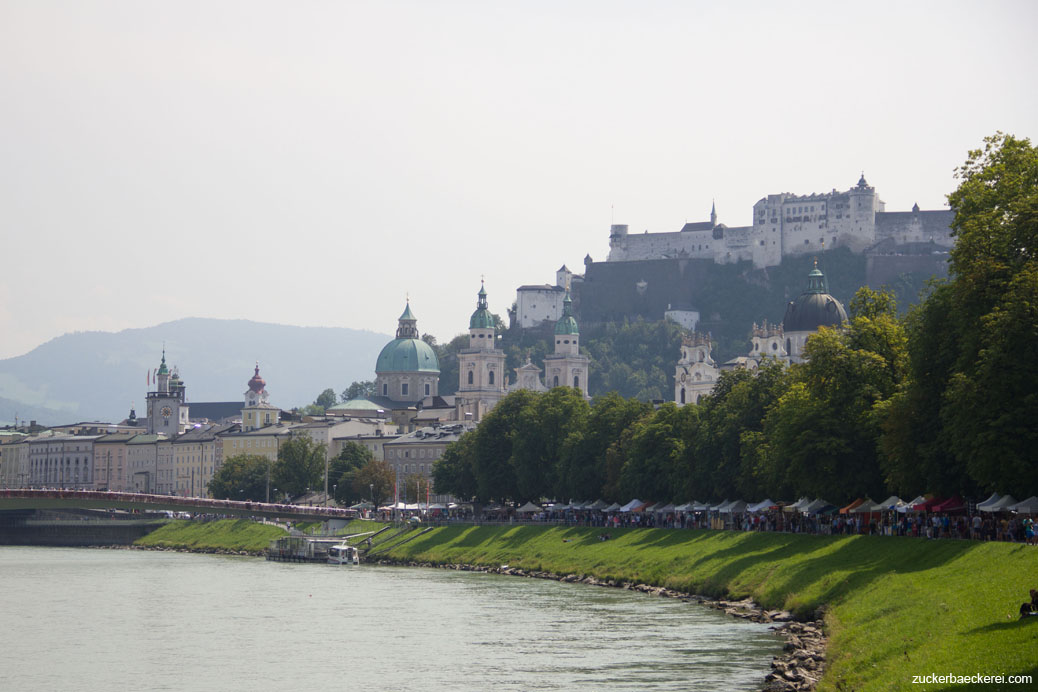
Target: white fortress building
(786, 224)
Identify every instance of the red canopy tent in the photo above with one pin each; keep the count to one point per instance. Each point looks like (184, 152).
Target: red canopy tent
(954, 504)
(929, 505)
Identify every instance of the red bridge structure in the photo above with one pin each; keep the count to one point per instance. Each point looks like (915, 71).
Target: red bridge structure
(97, 499)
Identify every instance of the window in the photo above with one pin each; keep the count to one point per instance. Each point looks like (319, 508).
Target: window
(385, 389)
(556, 381)
(470, 377)
(490, 377)
(682, 395)
(428, 389)
(789, 351)
(403, 389)
(576, 381)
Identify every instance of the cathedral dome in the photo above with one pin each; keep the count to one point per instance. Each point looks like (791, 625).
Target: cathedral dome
(814, 307)
(407, 355)
(407, 352)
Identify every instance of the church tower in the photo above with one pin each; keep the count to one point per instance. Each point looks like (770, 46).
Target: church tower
(258, 413)
(696, 372)
(167, 407)
(566, 367)
(481, 366)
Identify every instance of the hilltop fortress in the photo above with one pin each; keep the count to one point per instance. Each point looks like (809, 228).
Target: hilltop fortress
(788, 225)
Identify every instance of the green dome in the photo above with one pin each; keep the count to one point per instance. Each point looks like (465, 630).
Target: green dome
(407, 355)
(567, 324)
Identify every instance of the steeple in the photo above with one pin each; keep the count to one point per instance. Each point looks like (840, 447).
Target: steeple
(713, 213)
(408, 324)
(481, 318)
(567, 324)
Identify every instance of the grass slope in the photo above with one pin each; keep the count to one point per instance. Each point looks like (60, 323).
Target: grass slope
(224, 534)
(895, 607)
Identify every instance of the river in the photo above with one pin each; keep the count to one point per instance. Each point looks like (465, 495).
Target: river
(104, 620)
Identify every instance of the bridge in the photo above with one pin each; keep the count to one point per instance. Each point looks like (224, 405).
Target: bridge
(13, 499)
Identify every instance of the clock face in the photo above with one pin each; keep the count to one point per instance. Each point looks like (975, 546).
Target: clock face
(167, 412)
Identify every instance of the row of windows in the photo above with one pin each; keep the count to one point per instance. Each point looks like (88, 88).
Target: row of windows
(489, 380)
(404, 389)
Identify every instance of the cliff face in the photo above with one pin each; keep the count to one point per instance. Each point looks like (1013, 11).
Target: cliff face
(730, 298)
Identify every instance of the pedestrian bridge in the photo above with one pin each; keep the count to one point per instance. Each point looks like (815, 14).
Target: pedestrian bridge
(97, 499)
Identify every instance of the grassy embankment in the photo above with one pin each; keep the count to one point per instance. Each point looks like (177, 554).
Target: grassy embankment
(895, 607)
(225, 534)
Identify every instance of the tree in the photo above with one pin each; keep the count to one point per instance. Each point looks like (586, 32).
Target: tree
(326, 399)
(376, 478)
(343, 469)
(241, 477)
(359, 390)
(300, 466)
(416, 488)
(541, 430)
(453, 472)
(491, 461)
(582, 460)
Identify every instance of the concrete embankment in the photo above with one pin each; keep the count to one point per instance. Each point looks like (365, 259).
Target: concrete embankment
(31, 528)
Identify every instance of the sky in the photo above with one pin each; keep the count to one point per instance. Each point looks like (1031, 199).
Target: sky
(317, 163)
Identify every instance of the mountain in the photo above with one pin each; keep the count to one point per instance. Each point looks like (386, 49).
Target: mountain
(97, 375)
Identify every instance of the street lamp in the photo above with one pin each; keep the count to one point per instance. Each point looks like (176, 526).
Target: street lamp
(371, 487)
(335, 491)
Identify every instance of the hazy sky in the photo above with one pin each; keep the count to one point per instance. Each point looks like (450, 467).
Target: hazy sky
(312, 163)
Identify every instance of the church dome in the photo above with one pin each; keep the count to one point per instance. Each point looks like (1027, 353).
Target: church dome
(567, 324)
(407, 352)
(814, 307)
(407, 355)
(256, 384)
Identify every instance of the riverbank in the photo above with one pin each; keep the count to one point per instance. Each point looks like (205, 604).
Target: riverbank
(232, 536)
(893, 608)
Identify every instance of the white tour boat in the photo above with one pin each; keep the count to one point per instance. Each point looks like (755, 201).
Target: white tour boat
(343, 554)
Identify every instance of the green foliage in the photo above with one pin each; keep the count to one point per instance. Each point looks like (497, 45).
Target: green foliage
(375, 480)
(326, 399)
(342, 472)
(454, 472)
(358, 390)
(300, 466)
(241, 477)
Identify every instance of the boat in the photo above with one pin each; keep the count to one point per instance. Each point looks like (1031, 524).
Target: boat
(343, 554)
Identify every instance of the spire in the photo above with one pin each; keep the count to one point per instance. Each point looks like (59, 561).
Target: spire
(163, 370)
(481, 318)
(407, 327)
(713, 213)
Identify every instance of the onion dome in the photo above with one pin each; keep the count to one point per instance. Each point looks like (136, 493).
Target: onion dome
(256, 384)
(861, 180)
(407, 353)
(567, 324)
(481, 318)
(814, 307)
(163, 370)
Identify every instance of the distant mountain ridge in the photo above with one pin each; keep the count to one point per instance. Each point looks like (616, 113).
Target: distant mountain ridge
(97, 375)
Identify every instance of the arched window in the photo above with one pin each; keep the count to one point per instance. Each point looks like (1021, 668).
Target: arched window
(385, 389)
(789, 350)
(428, 389)
(682, 395)
(470, 377)
(490, 377)
(556, 381)
(576, 381)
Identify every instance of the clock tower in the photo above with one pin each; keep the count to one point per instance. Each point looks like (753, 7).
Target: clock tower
(167, 410)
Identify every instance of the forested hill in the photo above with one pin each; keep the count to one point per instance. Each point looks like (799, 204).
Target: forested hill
(97, 375)
(636, 357)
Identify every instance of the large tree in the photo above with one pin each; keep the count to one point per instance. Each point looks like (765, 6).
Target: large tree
(376, 478)
(343, 469)
(241, 477)
(300, 466)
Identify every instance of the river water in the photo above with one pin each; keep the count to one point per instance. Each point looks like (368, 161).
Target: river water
(104, 620)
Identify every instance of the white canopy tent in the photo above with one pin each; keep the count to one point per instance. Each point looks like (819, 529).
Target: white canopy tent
(1003, 505)
(797, 506)
(995, 497)
(529, 508)
(867, 506)
(615, 507)
(631, 505)
(1028, 506)
(734, 507)
(762, 506)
